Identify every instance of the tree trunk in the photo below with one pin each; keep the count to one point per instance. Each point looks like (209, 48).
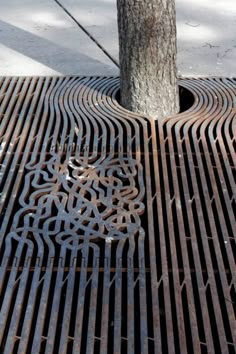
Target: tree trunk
(147, 38)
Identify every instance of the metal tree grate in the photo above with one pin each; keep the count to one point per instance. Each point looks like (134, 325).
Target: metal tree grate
(117, 232)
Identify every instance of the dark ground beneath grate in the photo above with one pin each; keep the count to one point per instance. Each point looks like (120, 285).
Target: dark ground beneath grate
(117, 232)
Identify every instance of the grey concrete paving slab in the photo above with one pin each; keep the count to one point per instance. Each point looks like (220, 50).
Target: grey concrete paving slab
(98, 17)
(38, 38)
(205, 32)
(206, 37)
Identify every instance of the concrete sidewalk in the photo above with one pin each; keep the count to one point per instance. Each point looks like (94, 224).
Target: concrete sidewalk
(41, 38)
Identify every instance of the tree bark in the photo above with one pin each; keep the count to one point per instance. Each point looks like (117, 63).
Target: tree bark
(147, 39)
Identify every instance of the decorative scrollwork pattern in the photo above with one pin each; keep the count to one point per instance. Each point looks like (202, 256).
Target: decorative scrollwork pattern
(73, 200)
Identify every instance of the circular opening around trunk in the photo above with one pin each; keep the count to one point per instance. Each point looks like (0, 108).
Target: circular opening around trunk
(186, 99)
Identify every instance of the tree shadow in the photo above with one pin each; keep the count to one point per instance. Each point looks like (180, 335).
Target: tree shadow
(61, 59)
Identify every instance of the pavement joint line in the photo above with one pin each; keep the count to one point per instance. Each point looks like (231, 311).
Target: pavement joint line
(88, 34)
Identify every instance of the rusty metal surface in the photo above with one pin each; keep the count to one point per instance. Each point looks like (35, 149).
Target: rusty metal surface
(117, 233)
